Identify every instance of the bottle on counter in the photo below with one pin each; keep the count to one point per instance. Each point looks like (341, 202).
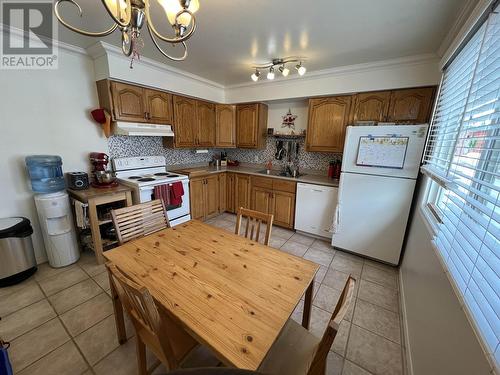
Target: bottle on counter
(337, 169)
(331, 169)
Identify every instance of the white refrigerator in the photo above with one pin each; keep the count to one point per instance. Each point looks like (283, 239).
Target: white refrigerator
(379, 170)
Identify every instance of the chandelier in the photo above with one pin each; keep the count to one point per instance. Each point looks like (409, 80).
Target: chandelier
(280, 63)
(129, 17)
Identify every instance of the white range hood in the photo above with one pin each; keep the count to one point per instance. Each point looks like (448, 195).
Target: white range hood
(148, 130)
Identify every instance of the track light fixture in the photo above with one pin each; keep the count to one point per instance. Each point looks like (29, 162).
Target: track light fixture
(281, 64)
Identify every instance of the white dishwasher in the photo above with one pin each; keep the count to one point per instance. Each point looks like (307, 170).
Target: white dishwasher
(314, 209)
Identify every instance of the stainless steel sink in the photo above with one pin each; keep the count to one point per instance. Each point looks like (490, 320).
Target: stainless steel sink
(273, 172)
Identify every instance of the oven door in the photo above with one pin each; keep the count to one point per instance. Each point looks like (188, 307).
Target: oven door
(183, 211)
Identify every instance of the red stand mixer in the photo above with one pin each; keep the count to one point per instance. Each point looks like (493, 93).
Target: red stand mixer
(103, 178)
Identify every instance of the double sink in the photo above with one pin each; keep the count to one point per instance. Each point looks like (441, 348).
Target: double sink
(272, 172)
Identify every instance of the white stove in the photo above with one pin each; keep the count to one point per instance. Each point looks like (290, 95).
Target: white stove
(143, 173)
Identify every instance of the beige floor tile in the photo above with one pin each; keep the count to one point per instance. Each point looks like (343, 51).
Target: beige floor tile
(21, 298)
(122, 361)
(320, 275)
(276, 242)
(334, 363)
(16, 288)
(353, 369)
(322, 257)
(353, 257)
(102, 280)
(63, 280)
(382, 266)
(378, 320)
(35, 344)
(373, 352)
(322, 245)
(380, 276)
(98, 341)
(65, 360)
(340, 343)
(319, 320)
(326, 298)
(294, 248)
(87, 314)
(91, 267)
(302, 239)
(45, 271)
(282, 232)
(74, 295)
(315, 291)
(337, 279)
(26, 319)
(229, 217)
(379, 295)
(346, 265)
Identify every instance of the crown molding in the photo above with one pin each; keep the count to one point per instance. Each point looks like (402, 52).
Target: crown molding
(347, 69)
(101, 48)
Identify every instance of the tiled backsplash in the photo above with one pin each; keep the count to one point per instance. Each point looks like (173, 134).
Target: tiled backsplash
(123, 146)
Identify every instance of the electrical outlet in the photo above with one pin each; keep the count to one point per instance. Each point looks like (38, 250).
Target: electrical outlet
(256, 158)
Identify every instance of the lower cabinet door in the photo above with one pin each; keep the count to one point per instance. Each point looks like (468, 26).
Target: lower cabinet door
(211, 196)
(242, 191)
(284, 209)
(230, 202)
(196, 192)
(222, 192)
(261, 200)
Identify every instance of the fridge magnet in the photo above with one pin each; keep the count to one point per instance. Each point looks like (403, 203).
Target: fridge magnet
(289, 120)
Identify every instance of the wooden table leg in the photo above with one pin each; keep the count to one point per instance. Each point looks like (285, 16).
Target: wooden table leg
(121, 333)
(306, 315)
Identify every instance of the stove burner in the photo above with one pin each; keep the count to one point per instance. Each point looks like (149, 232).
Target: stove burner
(162, 174)
(134, 177)
(147, 179)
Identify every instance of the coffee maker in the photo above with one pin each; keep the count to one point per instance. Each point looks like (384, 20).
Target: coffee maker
(103, 178)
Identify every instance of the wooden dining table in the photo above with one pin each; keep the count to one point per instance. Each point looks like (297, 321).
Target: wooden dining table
(229, 293)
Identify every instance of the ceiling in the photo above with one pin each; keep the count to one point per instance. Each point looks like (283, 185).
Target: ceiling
(234, 35)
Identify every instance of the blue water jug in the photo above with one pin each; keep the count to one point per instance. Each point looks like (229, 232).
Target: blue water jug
(46, 173)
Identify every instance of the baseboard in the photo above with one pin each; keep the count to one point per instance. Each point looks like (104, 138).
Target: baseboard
(407, 360)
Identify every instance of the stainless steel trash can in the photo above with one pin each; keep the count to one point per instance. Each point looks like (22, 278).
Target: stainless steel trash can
(17, 257)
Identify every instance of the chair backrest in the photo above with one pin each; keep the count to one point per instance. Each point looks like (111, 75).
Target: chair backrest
(319, 360)
(139, 220)
(255, 220)
(144, 314)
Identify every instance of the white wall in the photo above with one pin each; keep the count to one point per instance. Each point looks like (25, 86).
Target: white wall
(405, 72)
(276, 111)
(440, 338)
(45, 112)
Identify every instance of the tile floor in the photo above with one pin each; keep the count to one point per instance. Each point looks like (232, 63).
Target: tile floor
(61, 321)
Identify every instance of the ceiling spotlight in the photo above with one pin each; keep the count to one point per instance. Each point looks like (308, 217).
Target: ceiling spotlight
(284, 70)
(270, 75)
(255, 76)
(301, 69)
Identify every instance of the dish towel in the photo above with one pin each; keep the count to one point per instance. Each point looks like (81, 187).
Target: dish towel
(176, 193)
(162, 192)
(336, 219)
(5, 366)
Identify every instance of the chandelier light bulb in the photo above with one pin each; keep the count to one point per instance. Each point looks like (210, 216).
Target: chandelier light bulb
(301, 69)
(284, 71)
(270, 75)
(255, 76)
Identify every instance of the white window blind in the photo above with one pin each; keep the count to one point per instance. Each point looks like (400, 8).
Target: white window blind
(463, 156)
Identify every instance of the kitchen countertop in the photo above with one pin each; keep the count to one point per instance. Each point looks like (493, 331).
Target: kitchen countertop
(310, 178)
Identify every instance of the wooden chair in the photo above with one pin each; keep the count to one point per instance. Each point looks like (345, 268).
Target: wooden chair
(139, 220)
(299, 352)
(154, 328)
(254, 221)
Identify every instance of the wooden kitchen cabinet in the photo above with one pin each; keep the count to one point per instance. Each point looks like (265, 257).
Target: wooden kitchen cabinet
(328, 118)
(251, 125)
(222, 192)
(128, 102)
(241, 191)
(225, 119)
(230, 192)
(262, 200)
(412, 106)
(284, 209)
(185, 122)
(206, 126)
(158, 107)
(371, 106)
(204, 197)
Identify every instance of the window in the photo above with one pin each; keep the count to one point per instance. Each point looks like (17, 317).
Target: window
(462, 158)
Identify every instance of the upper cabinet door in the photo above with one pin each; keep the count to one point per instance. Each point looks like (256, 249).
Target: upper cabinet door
(184, 121)
(247, 125)
(158, 107)
(206, 124)
(128, 102)
(328, 118)
(371, 106)
(226, 126)
(411, 105)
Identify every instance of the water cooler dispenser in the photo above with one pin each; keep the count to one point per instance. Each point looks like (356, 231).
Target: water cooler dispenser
(54, 209)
